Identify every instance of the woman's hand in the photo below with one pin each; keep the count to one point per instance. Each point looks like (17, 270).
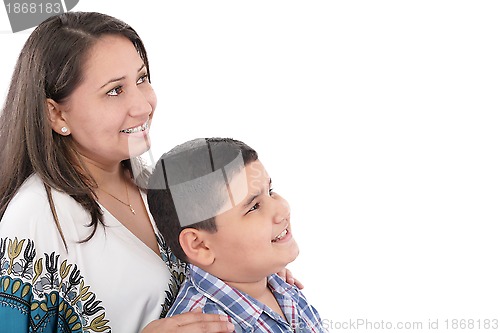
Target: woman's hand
(194, 321)
(288, 277)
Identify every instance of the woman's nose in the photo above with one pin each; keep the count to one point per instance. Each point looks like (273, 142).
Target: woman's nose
(142, 103)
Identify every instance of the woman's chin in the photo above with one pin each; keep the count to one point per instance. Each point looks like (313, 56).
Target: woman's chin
(138, 145)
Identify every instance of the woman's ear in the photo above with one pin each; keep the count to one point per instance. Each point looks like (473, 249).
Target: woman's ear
(56, 118)
(193, 243)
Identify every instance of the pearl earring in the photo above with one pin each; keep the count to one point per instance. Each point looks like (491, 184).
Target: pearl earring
(64, 130)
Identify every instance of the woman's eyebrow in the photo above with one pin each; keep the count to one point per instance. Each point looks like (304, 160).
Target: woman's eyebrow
(121, 78)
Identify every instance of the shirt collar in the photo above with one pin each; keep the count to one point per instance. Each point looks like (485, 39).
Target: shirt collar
(242, 308)
(278, 285)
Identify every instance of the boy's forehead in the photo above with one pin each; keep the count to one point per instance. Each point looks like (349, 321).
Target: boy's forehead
(252, 178)
(244, 185)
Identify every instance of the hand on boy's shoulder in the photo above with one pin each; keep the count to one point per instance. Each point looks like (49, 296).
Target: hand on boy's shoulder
(192, 321)
(286, 275)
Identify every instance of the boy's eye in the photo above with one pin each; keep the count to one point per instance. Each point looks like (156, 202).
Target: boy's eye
(115, 91)
(254, 207)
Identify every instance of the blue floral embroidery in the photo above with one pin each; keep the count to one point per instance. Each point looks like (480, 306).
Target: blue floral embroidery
(45, 295)
(177, 274)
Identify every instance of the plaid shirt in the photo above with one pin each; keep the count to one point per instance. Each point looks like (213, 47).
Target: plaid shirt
(204, 290)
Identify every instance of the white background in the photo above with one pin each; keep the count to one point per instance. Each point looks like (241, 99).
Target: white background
(377, 120)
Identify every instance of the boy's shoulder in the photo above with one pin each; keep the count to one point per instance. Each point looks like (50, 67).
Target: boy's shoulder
(205, 291)
(192, 295)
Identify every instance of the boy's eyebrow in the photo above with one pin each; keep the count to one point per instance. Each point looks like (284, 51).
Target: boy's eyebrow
(251, 199)
(120, 78)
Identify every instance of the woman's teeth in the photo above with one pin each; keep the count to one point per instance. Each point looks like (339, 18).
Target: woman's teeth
(136, 129)
(280, 236)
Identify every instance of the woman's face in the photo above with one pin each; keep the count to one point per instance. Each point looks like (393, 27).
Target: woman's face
(109, 113)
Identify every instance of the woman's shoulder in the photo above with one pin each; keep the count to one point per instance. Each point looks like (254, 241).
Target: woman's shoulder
(30, 200)
(31, 188)
(29, 209)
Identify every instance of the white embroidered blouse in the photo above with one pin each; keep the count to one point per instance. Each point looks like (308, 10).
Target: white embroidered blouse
(113, 282)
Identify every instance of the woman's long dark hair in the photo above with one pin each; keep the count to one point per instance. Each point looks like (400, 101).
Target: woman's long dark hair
(50, 66)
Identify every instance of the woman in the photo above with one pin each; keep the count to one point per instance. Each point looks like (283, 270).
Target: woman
(78, 249)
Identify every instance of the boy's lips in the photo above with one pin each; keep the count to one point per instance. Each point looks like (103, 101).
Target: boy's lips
(281, 235)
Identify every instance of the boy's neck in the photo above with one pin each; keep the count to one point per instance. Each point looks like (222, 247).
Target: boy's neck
(261, 292)
(256, 289)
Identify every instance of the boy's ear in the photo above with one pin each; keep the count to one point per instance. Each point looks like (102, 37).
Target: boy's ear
(56, 118)
(193, 243)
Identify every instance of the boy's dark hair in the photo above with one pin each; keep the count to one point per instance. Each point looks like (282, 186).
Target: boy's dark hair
(186, 167)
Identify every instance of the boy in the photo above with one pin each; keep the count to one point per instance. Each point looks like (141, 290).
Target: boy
(213, 202)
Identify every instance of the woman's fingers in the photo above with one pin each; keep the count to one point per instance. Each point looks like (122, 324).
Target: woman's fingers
(196, 316)
(194, 321)
(288, 277)
(297, 283)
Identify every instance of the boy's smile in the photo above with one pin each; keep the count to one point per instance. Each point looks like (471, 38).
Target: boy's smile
(283, 236)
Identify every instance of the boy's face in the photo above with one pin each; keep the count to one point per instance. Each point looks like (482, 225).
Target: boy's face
(254, 238)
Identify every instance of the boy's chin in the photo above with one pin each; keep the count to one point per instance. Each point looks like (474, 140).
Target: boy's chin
(293, 255)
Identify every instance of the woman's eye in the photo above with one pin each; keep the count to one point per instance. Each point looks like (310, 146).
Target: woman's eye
(271, 191)
(142, 79)
(115, 91)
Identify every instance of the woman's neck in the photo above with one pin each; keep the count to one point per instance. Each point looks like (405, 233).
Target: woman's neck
(106, 175)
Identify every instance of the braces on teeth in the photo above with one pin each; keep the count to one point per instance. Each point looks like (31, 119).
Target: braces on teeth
(136, 129)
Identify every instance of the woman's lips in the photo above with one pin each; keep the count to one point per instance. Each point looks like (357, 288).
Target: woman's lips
(137, 129)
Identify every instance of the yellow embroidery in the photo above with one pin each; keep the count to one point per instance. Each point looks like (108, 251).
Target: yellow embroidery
(14, 251)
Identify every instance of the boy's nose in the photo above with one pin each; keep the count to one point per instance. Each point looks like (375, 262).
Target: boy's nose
(282, 212)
